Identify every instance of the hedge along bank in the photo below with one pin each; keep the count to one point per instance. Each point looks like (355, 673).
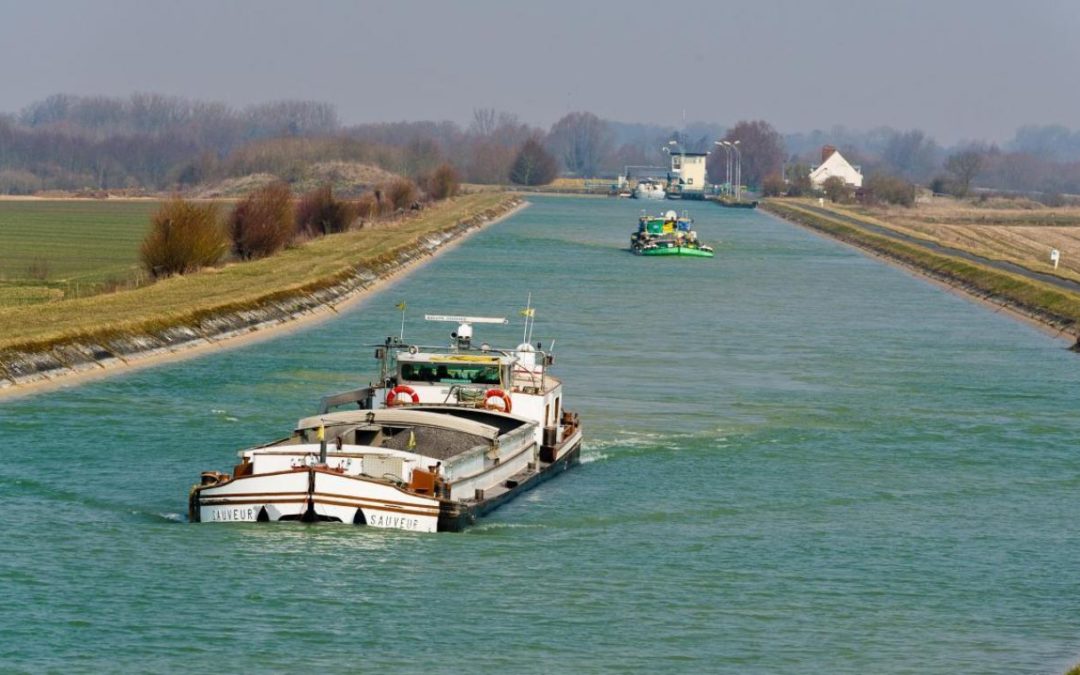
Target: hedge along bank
(39, 361)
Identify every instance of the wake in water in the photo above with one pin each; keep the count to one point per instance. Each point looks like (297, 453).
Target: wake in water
(496, 528)
(635, 443)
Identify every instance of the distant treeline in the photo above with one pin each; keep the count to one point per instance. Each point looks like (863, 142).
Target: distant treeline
(156, 142)
(1039, 159)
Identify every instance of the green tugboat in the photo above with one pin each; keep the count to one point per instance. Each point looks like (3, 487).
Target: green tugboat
(669, 234)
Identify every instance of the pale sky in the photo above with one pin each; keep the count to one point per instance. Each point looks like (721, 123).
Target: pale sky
(960, 70)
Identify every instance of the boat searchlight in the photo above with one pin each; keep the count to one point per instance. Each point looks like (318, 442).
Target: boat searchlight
(463, 335)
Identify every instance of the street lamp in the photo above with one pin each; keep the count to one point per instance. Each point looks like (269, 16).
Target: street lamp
(733, 146)
(725, 146)
(738, 170)
(674, 147)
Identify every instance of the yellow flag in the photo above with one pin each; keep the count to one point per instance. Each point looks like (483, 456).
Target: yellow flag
(531, 311)
(412, 440)
(400, 306)
(322, 432)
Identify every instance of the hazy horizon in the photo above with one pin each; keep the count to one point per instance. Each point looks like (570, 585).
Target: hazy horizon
(959, 71)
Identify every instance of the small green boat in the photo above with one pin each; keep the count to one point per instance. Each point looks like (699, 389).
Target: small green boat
(668, 235)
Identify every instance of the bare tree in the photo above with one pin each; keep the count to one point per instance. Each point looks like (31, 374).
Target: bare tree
(583, 141)
(761, 148)
(534, 165)
(912, 154)
(484, 122)
(964, 166)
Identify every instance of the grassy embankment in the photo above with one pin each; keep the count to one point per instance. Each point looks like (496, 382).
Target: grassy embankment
(559, 186)
(1017, 230)
(235, 287)
(1045, 303)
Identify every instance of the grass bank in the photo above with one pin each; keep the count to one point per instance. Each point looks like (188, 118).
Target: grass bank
(40, 338)
(1024, 236)
(1053, 307)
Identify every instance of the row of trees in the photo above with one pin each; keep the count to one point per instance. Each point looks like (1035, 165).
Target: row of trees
(160, 142)
(187, 235)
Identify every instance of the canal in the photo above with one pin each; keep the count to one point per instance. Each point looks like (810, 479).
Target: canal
(798, 459)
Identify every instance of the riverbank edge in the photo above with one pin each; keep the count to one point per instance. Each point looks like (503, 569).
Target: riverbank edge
(28, 370)
(960, 276)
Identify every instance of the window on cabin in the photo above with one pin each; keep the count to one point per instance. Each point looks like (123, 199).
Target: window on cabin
(450, 373)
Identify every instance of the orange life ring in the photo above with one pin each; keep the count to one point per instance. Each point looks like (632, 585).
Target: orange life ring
(500, 394)
(392, 398)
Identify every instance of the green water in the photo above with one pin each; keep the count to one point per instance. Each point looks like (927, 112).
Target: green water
(798, 460)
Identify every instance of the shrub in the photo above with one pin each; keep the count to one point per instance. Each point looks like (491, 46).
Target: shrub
(319, 213)
(367, 206)
(262, 224)
(836, 190)
(1052, 199)
(443, 183)
(889, 189)
(400, 193)
(18, 182)
(798, 180)
(184, 236)
(941, 185)
(772, 186)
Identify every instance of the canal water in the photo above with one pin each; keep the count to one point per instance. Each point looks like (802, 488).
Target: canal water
(798, 460)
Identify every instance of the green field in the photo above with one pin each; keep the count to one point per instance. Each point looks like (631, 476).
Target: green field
(55, 249)
(296, 271)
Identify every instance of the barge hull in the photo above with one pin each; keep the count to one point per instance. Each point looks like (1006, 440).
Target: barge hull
(315, 502)
(677, 251)
(456, 516)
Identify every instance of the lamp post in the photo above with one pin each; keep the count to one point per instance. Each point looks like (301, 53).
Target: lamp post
(667, 151)
(727, 161)
(729, 147)
(738, 170)
(671, 148)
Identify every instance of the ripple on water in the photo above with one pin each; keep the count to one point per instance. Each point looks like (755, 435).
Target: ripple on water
(796, 459)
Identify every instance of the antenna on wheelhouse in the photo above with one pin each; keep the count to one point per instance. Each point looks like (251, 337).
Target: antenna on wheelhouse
(528, 313)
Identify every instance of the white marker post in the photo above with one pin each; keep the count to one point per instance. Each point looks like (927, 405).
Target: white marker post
(1055, 257)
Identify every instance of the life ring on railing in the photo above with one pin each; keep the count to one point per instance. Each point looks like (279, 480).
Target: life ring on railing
(497, 394)
(392, 398)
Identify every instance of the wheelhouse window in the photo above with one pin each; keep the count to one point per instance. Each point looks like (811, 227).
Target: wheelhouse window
(451, 373)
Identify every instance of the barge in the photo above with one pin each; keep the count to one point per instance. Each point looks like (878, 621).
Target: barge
(445, 435)
(669, 235)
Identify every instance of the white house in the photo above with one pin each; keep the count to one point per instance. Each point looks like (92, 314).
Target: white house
(834, 164)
